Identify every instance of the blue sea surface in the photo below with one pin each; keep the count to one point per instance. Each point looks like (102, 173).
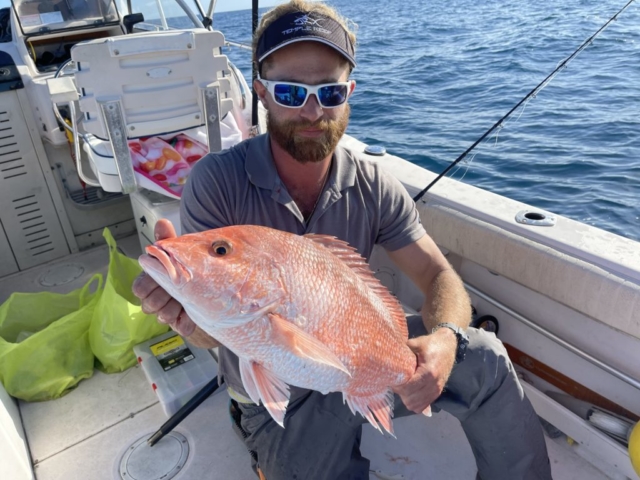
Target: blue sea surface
(433, 76)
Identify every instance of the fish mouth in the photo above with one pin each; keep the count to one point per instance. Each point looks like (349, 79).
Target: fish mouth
(161, 261)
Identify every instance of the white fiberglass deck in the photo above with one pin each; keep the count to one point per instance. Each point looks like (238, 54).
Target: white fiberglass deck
(85, 434)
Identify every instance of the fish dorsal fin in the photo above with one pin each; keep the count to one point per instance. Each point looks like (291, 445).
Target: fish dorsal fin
(354, 260)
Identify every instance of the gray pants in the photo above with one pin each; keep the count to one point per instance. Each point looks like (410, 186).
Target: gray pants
(321, 438)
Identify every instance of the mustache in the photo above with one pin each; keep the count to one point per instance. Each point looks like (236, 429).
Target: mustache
(297, 125)
(288, 134)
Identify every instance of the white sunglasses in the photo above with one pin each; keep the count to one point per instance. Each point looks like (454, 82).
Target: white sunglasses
(295, 95)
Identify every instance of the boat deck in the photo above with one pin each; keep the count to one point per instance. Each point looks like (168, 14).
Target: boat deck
(86, 433)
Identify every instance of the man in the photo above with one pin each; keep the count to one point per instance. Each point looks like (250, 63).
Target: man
(296, 178)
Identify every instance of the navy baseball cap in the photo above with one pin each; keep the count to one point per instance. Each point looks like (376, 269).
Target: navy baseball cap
(303, 27)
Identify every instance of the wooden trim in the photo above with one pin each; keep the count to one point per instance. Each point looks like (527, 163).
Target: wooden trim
(564, 383)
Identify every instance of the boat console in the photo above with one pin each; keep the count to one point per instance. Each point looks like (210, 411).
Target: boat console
(50, 29)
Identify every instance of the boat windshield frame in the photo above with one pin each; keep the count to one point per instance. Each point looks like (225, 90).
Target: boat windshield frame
(44, 17)
(163, 11)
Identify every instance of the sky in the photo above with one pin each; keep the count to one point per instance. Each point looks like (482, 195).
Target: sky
(221, 5)
(227, 5)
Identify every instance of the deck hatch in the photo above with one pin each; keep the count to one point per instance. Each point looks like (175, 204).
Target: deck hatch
(162, 461)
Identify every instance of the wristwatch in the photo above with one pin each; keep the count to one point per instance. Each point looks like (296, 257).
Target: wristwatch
(461, 336)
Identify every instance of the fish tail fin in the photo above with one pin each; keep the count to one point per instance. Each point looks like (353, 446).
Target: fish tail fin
(377, 409)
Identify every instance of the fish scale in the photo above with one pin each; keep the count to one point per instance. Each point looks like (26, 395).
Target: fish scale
(296, 310)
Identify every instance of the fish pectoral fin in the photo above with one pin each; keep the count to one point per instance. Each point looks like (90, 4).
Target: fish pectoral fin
(377, 409)
(302, 344)
(268, 387)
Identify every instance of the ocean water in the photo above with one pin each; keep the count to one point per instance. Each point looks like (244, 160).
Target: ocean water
(433, 76)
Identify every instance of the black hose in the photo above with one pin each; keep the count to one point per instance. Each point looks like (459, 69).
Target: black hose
(184, 412)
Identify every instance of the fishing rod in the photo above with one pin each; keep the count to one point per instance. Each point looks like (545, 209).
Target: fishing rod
(254, 73)
(244, 46)
(529, 95)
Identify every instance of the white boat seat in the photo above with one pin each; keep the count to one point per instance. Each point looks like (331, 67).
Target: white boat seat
(149, 84)
(103, 163)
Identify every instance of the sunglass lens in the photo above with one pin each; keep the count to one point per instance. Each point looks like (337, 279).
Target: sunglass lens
(333, 95)
(289, 95)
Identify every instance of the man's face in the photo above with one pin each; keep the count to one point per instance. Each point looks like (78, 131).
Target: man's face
(310, 133)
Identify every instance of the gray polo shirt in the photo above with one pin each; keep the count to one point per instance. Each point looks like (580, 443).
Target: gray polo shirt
(360, 204)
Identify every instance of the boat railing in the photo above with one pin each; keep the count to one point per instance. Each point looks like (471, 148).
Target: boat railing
(634, 382)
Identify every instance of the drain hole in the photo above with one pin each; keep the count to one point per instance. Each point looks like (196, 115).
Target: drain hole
(534, 216)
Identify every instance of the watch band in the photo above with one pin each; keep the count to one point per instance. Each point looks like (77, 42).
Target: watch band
(461, 337)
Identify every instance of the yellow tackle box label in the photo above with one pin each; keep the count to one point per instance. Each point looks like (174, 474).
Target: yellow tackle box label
(165, 345)
(171, 352)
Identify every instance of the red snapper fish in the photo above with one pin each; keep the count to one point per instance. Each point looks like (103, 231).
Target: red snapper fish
(296, 310)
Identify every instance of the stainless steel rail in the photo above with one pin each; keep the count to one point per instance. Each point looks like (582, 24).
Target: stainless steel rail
(76, 147)
(236, 44)
(543, 331)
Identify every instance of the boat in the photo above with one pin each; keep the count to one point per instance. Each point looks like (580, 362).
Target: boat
(563, 296)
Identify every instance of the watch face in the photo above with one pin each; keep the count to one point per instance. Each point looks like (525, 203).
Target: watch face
(463, 342)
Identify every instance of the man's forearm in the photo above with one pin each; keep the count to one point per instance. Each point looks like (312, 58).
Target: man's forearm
(446, 301)
(200, 338)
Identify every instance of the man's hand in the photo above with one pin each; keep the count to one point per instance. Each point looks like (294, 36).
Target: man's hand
(436, 354)
(155, 299)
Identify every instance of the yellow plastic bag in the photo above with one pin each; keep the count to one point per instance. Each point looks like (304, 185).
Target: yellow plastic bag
(44, 341)
(118, 321)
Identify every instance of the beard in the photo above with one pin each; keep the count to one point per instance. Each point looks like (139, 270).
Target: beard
(308, 150)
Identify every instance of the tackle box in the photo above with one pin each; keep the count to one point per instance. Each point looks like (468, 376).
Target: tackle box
(175, 369)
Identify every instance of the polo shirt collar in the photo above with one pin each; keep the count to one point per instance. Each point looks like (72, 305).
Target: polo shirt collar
(343, 175)
(259, 163)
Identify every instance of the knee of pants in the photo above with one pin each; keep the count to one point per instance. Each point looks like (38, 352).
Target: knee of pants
(485, 345)
(485, 350)
(486, 364)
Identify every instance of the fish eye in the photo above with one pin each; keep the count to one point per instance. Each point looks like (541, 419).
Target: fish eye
(220, 248)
